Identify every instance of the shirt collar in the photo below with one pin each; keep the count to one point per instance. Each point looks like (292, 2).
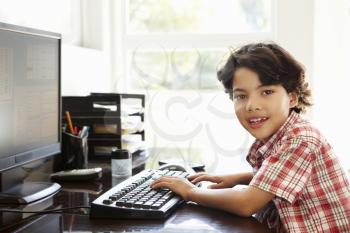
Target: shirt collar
(263, 147)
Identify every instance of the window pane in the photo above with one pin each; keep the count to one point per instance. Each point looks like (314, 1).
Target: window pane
(177, 69)
(199, 16)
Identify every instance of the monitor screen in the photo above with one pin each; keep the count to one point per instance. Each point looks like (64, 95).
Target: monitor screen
(29, 95)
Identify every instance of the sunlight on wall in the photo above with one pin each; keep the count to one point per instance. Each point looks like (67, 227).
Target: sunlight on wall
(331, 78)
(84, 71)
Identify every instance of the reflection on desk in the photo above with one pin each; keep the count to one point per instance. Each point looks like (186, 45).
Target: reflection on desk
(187, 218)
(10, 217)
(41, 224)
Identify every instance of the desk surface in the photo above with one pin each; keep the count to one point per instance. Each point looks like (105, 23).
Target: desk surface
(188, 218)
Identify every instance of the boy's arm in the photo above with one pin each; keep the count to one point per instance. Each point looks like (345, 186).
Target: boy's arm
(223, 181)
(241, 202)
(246, 177)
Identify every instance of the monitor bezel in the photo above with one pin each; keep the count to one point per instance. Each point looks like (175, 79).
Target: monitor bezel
(18, 159)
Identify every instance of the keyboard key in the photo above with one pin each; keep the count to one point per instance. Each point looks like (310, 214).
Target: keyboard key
(113, 198)
(138, 204)
(107, 201)
(119, 203)
(156, 206)
(128, 204)
(146, 206)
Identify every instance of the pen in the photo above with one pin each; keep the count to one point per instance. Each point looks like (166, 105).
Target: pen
(69, 120)
(84, 132)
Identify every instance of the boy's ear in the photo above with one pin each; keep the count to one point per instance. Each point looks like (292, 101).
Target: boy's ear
(293, 99)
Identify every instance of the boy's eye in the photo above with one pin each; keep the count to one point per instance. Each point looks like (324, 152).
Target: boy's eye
(239, 97)
(267, 92)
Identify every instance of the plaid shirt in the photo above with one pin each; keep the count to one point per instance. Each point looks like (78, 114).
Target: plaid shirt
(298, 166)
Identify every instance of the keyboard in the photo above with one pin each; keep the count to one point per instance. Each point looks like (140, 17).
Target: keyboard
(134, 198)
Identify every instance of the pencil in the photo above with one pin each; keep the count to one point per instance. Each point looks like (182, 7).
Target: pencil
(70, 124)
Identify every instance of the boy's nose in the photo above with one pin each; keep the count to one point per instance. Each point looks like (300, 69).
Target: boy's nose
(253, 109)
(252, 106)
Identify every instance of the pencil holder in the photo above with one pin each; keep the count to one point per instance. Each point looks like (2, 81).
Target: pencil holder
(74, 151)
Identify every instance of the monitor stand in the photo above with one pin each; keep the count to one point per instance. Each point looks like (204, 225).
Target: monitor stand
(25, 193)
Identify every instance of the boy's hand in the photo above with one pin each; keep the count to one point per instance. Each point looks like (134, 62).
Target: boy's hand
(223, 181)
(180, 186)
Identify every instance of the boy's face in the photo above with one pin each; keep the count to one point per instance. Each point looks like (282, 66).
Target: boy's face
(262, 110)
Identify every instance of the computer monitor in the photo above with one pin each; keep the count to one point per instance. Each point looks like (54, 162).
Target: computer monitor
(30, 103)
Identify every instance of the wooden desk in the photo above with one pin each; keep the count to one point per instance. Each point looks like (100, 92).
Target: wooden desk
(188, 218)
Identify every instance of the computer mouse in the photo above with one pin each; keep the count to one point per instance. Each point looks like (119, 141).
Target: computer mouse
(198, 167)
(172, 167)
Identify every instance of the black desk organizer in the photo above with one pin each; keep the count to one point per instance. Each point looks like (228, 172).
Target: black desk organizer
(105, 123)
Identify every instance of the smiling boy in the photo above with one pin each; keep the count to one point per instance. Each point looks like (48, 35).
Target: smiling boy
(297, 183)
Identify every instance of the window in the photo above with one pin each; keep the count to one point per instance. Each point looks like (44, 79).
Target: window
(177, 44)
(199, 16)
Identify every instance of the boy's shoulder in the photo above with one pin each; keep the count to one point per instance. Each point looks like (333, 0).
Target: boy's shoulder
(305, 132)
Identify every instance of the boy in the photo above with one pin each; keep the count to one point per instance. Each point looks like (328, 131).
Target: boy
(297, 184)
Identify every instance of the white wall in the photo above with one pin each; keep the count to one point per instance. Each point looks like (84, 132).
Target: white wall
(331, 79)
(295, 30)
(61, 16)
(84, 71)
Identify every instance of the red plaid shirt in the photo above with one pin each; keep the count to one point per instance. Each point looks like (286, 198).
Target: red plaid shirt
(298, 166)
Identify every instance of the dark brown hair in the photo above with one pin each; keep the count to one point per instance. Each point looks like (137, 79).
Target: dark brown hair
(274, 66)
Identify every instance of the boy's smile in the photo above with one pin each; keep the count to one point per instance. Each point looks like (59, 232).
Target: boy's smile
(261, 109)
(257, 122)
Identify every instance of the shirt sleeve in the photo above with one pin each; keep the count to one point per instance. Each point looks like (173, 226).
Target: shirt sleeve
(286, 172)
